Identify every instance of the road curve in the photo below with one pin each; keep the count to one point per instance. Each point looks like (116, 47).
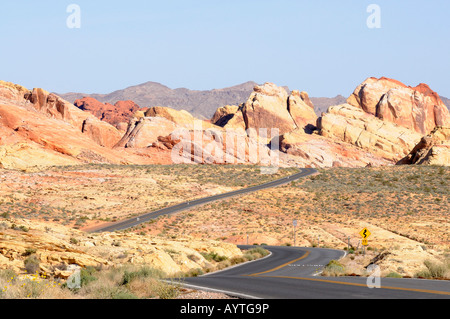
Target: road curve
(291, 273)
(304, 172)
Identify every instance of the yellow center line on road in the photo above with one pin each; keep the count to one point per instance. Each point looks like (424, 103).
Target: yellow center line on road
(281, 266)
(261, 274)
(360, 285)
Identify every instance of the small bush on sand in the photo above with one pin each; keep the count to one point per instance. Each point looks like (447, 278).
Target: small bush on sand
(333, 269)
(32, 264)
(435, 270)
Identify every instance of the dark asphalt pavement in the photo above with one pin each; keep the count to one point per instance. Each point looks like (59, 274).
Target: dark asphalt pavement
(292, 273)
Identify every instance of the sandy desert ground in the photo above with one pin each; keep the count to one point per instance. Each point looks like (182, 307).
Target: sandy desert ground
(405, 208)
(50, 212)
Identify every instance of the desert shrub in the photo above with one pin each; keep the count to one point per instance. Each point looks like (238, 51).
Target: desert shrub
(107, 290)
(393, 274)
(117, 293)
(24, 228)
(334, 269)
(141, 273)
(33, 289)
(193, 273)
(256, 253)
(8, 274)
(87, 275)
(32, 264)
(167, 290)
(241, 259)
(435, 270)
(213, 256)
(144, 282)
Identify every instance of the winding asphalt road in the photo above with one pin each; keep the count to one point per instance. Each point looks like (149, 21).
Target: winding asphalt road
(189, 205)
(291, 273)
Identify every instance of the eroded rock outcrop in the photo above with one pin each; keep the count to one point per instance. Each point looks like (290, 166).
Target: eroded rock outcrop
(312, 150)
(302, 111)
(229, 117)
(12, 91)
(57, 252)
(52, 105)
(217, 146)
(100, 132)
(433, 149)
(417, 108)
(353, 125)
(269, 107)
(39, 129)
(117, 115)
(144, 131)
(182, 117)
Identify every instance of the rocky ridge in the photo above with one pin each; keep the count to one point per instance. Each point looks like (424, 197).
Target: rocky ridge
(354, 126)
(381, 123)
(201, 104)
(433, 149)
(39, 129)
(117, 115)
(419, 108)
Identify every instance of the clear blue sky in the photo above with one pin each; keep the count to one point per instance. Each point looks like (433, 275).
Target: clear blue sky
(323, 47)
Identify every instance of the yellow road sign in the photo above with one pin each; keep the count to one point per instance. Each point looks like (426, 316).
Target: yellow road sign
(365, 242)
(365, 233)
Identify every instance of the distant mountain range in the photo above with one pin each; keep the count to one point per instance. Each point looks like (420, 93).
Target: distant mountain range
(321, 104)
(201, 104)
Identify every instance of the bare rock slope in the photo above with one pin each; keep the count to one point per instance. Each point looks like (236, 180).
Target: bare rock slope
(418, 108)
(433, 149)
(38, 128)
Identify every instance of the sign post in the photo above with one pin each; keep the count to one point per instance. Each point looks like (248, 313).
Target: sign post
(365, 234)
(295, 231)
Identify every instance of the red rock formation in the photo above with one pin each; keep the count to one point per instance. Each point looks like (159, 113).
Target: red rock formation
(116, 114)
(55, 107)
(49, 104)
(418, 108)
(11, 91)
(39, 128)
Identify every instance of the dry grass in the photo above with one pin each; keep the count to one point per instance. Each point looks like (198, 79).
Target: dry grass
(30, 287)
(435, 270)
(124, 282)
